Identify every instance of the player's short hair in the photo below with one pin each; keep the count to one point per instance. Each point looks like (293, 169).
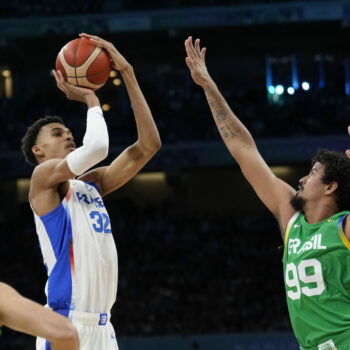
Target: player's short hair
(29, 138)
(336, 168)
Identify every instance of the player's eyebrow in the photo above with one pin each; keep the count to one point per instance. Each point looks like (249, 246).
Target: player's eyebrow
(57, 128)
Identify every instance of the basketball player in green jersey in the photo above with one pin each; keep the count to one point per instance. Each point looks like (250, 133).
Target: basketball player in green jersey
(313, 222)
(24, 315)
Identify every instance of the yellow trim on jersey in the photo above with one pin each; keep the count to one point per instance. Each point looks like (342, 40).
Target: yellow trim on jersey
(289, 226)
(345, 240)
(342, 233)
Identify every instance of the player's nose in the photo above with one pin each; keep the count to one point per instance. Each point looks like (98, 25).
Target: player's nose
(302, 181)
(69, 137)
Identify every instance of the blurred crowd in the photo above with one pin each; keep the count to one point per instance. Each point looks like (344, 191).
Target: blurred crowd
(181, 112)
(178, 274)
(23, 8)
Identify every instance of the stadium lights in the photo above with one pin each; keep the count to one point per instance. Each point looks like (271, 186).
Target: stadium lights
(305, 85)
(290, 90)
(106, 107)
(117, 82)
(271, 89)
(6, 73)
(279, 89)
(113, 74)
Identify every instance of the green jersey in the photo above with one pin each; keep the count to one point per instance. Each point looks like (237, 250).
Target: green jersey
(316, 266)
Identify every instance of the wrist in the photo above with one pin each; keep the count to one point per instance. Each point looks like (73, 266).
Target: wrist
(207, 83)
(127, 68)
(91, 100)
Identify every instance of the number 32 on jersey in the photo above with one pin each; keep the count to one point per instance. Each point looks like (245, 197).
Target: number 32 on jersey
(305, 278)
(100, 222)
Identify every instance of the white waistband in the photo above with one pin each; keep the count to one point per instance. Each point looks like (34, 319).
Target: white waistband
(88, 318)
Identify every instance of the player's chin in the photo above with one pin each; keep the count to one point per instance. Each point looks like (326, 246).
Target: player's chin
(67, 151)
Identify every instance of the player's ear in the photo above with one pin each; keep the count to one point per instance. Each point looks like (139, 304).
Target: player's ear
(37, 151)
(331, 187)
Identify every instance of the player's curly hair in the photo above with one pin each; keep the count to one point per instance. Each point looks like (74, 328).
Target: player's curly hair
(336, 168)
(29, 138)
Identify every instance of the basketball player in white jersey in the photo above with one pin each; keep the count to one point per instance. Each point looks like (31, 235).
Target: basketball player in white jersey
(24, 315)
(72, 222)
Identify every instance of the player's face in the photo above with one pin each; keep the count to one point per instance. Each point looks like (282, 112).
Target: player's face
(55, 141)
(311, 186)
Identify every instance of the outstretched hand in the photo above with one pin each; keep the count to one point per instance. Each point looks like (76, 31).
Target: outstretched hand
(348, 150)
(195, 61)
(74, 93)
(117, 59)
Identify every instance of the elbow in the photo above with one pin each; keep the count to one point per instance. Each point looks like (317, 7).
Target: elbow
(153, 147)
(157, 145)
(100, 150)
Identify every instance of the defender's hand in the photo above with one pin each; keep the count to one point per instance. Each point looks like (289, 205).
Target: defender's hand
(117, 59)
(75, 93)
(195, 61)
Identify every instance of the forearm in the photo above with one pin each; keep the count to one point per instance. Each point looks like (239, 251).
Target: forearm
(24, 315)
(148, 135)
(95, 143)
(232, 130)
(92, 101)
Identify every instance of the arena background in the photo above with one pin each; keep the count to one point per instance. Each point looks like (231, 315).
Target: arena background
(199, 255)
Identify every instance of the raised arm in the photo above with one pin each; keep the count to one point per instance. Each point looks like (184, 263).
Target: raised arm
(24, 315)
(273, 192)
(132, 160)
(56, 153)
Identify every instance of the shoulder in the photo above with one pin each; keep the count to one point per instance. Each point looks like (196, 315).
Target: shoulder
(47, 176)
(346, 225)
(44, 168)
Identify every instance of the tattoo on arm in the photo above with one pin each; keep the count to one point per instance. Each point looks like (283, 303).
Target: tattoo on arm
(229, 127)
(221, 115)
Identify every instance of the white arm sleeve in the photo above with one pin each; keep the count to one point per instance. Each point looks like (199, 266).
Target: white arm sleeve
(95, 143)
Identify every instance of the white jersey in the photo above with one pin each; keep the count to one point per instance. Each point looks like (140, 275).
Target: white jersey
(79, 252)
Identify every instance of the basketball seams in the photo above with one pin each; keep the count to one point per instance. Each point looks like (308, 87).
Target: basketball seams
(69, 70)
(83, 81)
(75, 61)
(90, 75)
(91, 58)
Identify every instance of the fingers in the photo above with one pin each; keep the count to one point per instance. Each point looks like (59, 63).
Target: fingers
(95, 39)
(61, 83)
(197, 48)
(189, 62)
(194, 51)
(189, 47)
(88, 36)
(203, 51)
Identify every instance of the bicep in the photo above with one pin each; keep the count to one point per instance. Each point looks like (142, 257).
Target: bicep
(272, 191)
(51, 173)
(120, 171)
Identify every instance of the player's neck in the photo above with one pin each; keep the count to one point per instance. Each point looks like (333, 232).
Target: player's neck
(318, 211)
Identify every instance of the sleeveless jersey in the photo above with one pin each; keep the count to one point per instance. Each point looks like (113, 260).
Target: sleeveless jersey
(317, 279)
(79, 252)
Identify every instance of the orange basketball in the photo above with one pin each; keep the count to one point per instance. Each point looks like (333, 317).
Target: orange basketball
(84, 64)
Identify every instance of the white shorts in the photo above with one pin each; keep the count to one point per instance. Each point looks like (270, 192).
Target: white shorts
(95, 332)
